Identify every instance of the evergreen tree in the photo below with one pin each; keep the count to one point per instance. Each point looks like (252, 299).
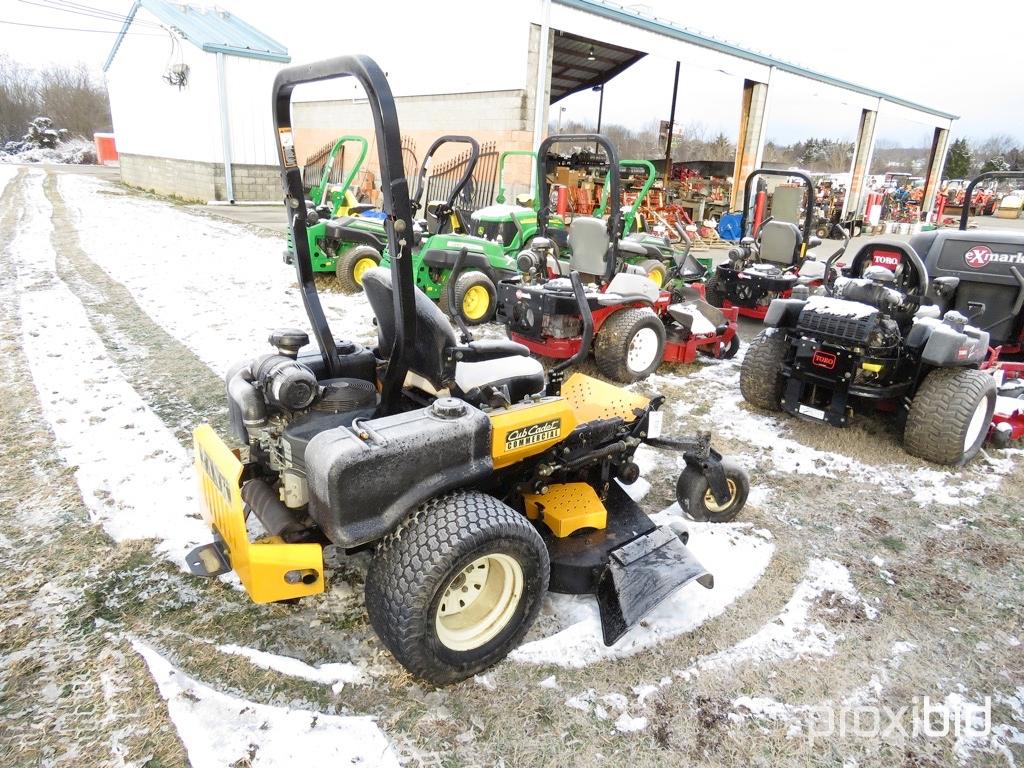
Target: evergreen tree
(958, 161)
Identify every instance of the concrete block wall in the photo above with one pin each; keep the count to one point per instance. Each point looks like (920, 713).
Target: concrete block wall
(199, 181)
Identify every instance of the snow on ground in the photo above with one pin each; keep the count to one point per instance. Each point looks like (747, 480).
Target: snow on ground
(793, 633)
(76, 151)
(7, 172)
(335, 675)
(734, 553)
(219, 731)
(135, 477)
(213, 285)
(769, 434)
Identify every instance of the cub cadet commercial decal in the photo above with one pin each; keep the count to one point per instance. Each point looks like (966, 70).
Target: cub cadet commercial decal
(535, 433)
(981, 256)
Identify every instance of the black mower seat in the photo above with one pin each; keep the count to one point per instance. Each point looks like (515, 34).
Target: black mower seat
(439, 359)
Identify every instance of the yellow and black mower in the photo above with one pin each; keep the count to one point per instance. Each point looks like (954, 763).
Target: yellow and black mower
(476, 482)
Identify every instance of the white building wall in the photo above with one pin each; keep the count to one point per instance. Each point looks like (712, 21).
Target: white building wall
(152, 117)
(248, 84)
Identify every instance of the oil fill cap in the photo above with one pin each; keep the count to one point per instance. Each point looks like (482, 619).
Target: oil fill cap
(448, 408)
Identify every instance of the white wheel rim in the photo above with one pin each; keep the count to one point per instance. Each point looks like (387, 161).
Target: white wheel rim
(479, 602)
(976, 425)
(643, 349)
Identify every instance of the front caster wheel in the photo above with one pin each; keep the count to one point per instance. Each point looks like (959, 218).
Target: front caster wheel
(457, 586)
(698, 503)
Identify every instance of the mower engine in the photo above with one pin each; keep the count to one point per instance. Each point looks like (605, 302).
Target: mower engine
(276, 404)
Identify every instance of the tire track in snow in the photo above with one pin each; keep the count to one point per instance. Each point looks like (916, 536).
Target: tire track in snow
(134, 476)
(173, 381)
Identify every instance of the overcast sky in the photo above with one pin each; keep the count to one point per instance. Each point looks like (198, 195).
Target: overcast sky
(955, 61)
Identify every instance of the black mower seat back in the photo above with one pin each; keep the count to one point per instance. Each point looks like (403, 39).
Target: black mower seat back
(491, 362)
(989, 268)
(780, 243)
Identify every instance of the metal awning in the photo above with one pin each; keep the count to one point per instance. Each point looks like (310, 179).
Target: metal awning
(579, 63)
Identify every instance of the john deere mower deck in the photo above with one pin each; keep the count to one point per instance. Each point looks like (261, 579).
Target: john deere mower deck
(477, 482)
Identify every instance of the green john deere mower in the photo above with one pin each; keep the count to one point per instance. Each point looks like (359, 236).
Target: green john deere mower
(475, 482)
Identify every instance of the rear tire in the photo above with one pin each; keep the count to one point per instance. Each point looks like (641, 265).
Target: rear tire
(950, 415)
(761, 378)
(351, 265)
(712, 293)
(433, 560)
(655, 271)
(697, 502)
(475, 296)
(630, 346)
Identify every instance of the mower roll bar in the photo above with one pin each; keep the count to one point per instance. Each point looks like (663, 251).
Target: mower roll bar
(809, 208)
(969, 192)
(395, 191)
(421, 175)
(501, 173)
(612, 180)
(630, 219)
(326, 176)
(587, 318)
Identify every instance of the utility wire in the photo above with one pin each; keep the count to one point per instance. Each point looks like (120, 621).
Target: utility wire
(103, 16)
(78, 29)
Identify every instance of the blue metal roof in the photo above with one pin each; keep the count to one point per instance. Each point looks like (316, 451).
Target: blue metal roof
(211, 29)
(618, 13)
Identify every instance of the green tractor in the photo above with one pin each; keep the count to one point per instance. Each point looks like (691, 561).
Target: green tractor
(662, 261)
(327, 202)
(351, 245)
(435, 252)
(513, 226)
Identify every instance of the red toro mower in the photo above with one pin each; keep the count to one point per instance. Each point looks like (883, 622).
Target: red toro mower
(770, 260)
(636, 326)
(980, 273)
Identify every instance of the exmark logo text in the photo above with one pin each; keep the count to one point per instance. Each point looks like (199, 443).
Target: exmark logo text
(533, 434)
(980, 256)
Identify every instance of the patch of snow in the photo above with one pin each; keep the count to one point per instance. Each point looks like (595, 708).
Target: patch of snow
(792, 633)
(485, 681)
(218, 730)
(627, 724)
(76, 151)
(876, 560)
(582, 702)
(827, 305)
(214, 285)
(550, 682)
(336, 675)
(735, 554)
(134, 476)
(642, 692)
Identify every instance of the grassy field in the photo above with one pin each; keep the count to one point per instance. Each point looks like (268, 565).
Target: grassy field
(921, 594)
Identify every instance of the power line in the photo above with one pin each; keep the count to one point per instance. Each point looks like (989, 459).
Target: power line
(78, 29)
(89, 12)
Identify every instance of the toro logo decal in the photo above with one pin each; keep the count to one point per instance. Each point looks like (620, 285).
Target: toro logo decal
(533, 434)
(978, 257)
(888, 259)
(821, 359)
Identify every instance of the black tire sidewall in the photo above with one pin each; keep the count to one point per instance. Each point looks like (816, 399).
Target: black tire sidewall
(612, 350)
(345, 265)
(692, 486)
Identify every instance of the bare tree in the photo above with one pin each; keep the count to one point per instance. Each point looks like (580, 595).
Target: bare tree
(73, 100)
(19, 100)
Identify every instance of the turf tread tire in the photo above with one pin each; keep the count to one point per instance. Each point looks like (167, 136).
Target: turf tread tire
(345, 265)
(466, 281)
(650, 264)
(612, 345)
(761, 377)
(712, 293)
(412, 566)
(941, 412)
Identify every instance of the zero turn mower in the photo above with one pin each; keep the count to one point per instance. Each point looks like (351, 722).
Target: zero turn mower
(327, 201)
(660, 257)
(769, 263)
(876, 341)
(475, 482)
(980, 273)
(434, 255)
(636, 325)
(350, 245)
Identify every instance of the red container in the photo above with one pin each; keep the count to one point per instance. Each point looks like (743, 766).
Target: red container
(106, 148)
